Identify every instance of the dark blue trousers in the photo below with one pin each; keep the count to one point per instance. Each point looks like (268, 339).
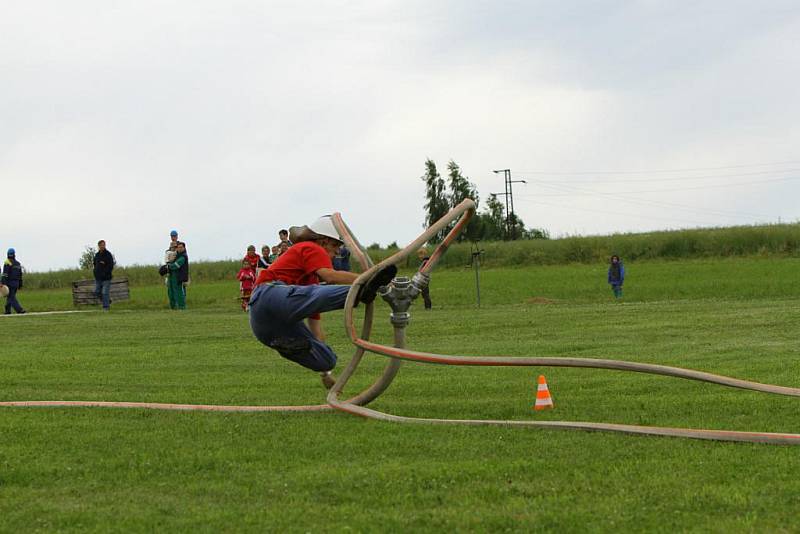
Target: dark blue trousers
(277, 312)
(11, 300)
(102, 289)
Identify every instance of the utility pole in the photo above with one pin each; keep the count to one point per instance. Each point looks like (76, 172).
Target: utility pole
(511, 231)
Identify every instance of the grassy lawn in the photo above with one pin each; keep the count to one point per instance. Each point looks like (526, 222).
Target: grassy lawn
(136, 470)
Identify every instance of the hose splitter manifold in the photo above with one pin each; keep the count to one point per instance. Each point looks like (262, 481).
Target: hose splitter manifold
(400, 294)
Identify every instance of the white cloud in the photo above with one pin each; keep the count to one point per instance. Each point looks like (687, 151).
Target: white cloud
(231, 120)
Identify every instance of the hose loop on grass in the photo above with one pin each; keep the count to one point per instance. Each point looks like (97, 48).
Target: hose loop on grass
(459, 217)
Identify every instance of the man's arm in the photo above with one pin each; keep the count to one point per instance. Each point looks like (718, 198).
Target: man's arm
(177, 264)
(336, 277)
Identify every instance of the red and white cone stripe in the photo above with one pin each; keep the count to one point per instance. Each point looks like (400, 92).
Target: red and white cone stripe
(543, 399)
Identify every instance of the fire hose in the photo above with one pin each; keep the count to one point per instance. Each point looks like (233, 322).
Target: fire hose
(399, 295)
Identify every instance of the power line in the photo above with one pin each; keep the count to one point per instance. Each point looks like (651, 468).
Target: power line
(544, 183)
(695, 169)
(676, 178)
(511, 220)
(624, 214)
(672, 205)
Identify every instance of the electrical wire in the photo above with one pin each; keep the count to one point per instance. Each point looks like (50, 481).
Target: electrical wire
(661, 204)
(665, 171)
(618, 213)
(687, 188)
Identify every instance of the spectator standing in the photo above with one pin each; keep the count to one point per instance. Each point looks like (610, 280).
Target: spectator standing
(276, 251)
(178, 276)
(103, 266)
(616, 275)
(264, 261)
(341, 262)
(247, 281)
(12, 278)
(422, 254)
(283, 236)
(251, 257)
(283, 246)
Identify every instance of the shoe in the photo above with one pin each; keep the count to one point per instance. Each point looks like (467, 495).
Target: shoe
(368, 292)
(327, 379)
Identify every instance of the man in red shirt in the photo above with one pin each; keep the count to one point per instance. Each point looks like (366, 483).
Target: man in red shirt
(289, 292)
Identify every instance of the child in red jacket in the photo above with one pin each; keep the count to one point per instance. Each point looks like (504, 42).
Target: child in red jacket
(247, 280)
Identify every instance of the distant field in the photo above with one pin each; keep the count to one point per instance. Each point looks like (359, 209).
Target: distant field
(80, 470)
(737, 278)
(773, 241)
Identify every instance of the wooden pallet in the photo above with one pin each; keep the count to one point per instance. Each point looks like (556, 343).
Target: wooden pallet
(83, 292)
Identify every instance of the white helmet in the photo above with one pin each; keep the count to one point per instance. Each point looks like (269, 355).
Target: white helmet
(3, 290)
(324, 226)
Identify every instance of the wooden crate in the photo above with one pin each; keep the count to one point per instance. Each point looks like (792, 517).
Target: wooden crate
(83, 291)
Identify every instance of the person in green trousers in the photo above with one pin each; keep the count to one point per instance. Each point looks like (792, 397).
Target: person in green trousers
(178, 275)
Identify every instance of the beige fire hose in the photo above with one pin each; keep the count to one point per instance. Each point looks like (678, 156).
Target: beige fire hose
(458, 217)
(462, 214)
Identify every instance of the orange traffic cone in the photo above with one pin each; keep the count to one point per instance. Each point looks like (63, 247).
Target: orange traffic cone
(543, 399)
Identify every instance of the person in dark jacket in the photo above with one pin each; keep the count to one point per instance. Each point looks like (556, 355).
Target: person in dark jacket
(103, 266)
(616, 275)
(263, 261)
(178, 276)
(12, 278)
(424, 258)
(341, 262)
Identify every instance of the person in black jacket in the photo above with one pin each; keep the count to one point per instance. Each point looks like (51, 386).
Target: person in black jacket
(12, 278)
(103, 266)
(422, 254)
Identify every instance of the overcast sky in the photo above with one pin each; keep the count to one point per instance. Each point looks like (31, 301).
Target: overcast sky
(229, 120)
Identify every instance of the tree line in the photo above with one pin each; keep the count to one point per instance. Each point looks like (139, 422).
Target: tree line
(490, 224)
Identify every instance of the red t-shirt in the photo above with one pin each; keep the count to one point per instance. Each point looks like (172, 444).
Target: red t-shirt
(298, 265)
(253, 260)
(247, 278)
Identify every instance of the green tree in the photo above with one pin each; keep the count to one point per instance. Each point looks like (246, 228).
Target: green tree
(535, 233)
(491, 224)
(493, 219)
(436, 205)
(461, 189)
(86, 261)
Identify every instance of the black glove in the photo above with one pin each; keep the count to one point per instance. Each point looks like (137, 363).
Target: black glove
(369, 291)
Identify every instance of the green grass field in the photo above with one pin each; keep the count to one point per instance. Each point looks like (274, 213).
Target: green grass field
(94, 469)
